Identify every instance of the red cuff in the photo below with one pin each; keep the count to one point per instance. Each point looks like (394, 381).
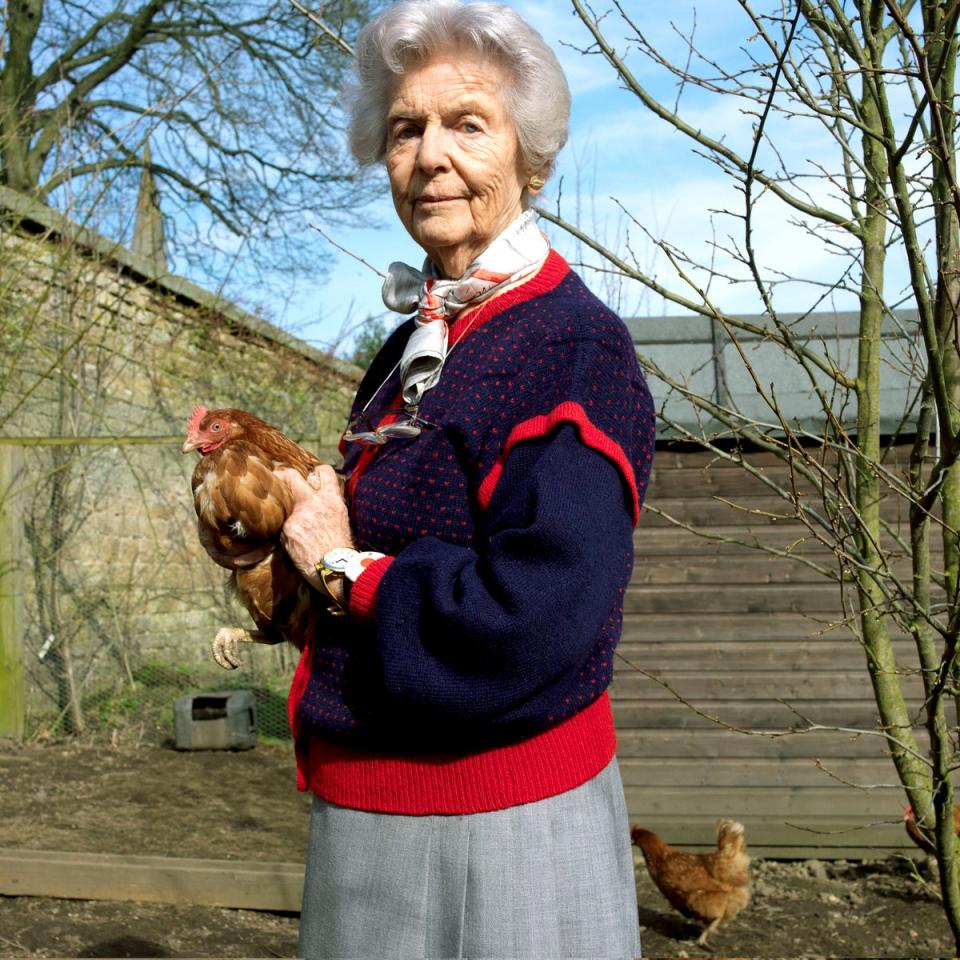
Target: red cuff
(363, 590)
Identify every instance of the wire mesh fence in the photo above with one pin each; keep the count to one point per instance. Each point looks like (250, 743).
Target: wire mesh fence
(108, 604)
(117, 608)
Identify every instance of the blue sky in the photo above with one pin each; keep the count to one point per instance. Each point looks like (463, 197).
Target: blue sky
(619, 157)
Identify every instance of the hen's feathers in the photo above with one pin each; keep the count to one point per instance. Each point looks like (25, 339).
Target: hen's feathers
(281, 603)
(238, 498)
(241, 506)
(708, 887)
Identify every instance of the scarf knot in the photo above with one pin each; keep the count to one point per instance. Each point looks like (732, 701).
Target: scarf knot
(515, 253)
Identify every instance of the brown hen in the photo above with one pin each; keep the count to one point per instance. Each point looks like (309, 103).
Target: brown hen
(241, 506)
(708, 887)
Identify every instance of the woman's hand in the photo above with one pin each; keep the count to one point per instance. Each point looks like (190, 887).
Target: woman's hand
(318, 522)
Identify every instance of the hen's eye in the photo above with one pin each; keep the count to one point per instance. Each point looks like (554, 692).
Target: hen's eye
(215, 426)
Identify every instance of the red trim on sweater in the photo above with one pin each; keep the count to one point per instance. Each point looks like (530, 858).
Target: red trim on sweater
(297, 687)
(554, 269)
(363, 590)
(537, 427)
(552, 762)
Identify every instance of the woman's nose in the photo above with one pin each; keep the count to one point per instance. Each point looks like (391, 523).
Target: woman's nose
(434, 154)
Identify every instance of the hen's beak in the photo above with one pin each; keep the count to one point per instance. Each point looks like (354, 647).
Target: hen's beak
(191, 443)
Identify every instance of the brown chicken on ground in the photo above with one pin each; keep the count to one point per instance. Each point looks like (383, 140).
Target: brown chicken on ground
(708, 887)
(241, 506)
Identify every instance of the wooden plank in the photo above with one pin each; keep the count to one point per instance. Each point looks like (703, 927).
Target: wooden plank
(720, 686)
(11, 600)
(672, 652)
(682, 624)
(752, 715)
(753, 568)
(824, 837)
(691, 458)
(245, 885)
(704, 512)
(668, 481)
(717, 742)
(672, 538)
(829, 830)
(741, 540)
(788, 851)
(755, 510)
(746, 599)
(797, 805)
(711, 772)
(687, 481)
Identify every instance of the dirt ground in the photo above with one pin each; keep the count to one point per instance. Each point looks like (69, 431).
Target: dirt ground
(155, 801)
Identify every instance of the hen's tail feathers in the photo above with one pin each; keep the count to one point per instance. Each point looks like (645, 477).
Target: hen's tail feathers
(731, 837)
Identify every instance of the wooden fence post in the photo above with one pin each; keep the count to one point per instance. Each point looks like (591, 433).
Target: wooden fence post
(11, 599)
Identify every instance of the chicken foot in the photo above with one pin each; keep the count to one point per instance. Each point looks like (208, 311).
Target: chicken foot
(225, 645)
(702, 939)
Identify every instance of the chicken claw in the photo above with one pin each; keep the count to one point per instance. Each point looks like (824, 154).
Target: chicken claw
(224, 646)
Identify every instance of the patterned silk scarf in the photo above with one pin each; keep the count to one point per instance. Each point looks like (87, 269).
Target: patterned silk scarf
(515, 253)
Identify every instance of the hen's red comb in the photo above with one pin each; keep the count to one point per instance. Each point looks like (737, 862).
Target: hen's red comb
(199, 412)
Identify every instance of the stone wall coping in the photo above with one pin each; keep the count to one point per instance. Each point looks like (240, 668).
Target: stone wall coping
(36, 217)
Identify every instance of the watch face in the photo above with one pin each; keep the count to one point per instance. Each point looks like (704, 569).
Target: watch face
(338, 558)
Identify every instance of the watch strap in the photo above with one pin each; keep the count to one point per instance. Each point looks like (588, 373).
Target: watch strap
(359, 562)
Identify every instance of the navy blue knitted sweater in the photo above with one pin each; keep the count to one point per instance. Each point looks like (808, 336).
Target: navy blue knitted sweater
(472, 672)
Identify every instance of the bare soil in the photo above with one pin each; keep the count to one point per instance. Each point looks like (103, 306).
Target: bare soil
(244, 806)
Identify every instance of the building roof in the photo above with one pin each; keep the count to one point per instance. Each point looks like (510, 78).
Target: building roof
(697, 352)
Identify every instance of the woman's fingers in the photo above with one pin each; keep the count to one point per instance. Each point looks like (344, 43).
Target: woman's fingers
(318, 521)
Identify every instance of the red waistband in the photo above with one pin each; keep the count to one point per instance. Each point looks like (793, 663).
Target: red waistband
(552, 762)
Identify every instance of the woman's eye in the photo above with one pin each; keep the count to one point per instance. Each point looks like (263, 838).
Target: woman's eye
(405, 133)
(469, 127)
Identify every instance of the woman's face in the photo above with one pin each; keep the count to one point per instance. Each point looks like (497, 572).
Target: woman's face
(455, 170)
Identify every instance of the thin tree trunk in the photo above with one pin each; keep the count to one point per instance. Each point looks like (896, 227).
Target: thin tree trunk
(940, 61)
(881, 663)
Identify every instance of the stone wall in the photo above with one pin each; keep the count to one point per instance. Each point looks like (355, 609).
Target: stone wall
(101, 363)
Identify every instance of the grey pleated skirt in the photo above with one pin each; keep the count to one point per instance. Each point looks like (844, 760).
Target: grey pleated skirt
(542, 880)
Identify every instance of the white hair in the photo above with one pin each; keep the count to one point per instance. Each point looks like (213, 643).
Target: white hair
(411, 32)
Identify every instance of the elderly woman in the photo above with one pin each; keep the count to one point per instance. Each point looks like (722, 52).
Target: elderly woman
(452, 721)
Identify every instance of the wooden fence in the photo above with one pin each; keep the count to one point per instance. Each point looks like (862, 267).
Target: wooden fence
(746, 638)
